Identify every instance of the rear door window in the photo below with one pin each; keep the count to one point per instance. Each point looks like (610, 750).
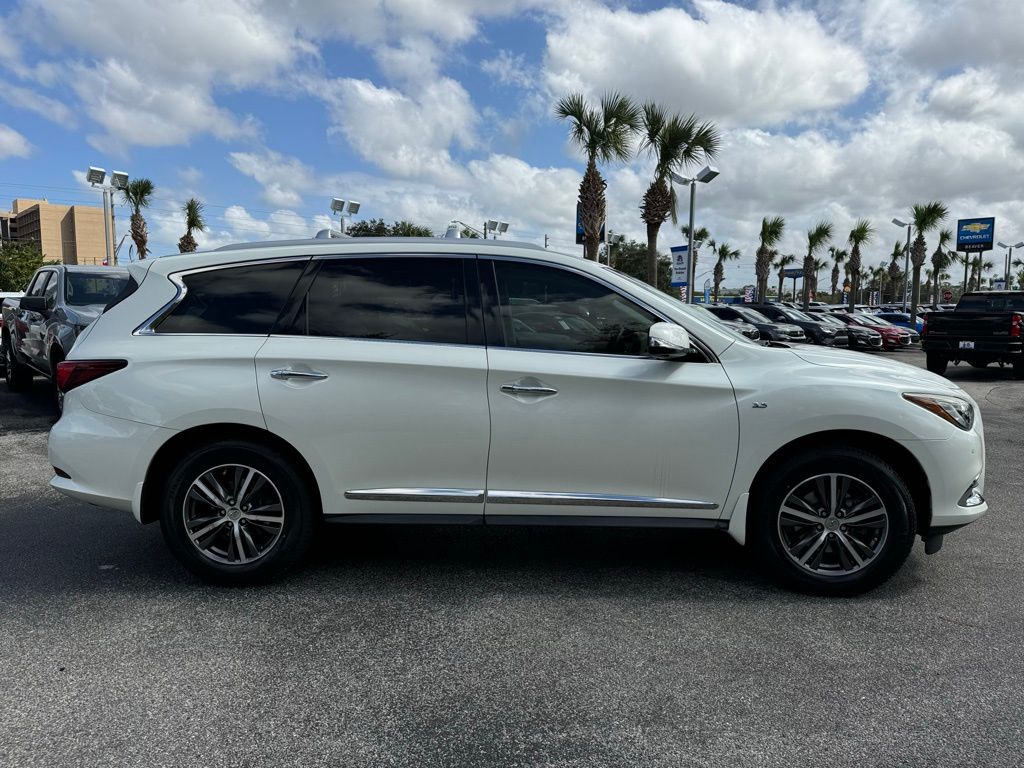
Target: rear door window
(392, 298)
(244, 299)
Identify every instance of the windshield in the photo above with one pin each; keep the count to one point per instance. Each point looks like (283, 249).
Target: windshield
(796, 314)
(993, 303)
(750, 315)
(84, 288)
(821, 317)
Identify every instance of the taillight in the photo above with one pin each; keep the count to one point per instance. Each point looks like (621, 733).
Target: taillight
(1015, 326)
(924, 327)
(74, 373)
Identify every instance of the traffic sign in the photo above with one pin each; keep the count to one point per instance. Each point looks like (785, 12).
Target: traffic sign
(947, 295)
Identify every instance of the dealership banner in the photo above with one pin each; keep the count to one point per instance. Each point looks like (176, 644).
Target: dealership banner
(975, 234)
(680, 264)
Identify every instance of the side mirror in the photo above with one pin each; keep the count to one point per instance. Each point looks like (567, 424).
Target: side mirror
(33, 303)
(666, 341)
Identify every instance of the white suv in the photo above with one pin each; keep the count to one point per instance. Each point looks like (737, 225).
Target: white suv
(242, 397)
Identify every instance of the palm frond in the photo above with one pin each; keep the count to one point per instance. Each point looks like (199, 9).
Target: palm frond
(861, 233)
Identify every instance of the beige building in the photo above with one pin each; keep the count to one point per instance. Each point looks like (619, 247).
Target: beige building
(70, 234)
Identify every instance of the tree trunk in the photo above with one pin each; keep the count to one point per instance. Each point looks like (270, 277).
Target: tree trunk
(592, 209)
(140, 234)
(854, 264)
(808, 276)
(654, 210)
(762, 267)
(187, 243)
(918, 255)
(782, 280)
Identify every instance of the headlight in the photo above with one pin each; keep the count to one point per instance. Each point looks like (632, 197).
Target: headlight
(957, 412)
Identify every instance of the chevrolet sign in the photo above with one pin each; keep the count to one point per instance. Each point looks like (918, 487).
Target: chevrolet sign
(975, 234)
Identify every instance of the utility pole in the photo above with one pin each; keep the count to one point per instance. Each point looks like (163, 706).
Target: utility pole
(545, 241)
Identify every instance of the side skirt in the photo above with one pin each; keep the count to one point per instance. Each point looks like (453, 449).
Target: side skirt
(593, 521)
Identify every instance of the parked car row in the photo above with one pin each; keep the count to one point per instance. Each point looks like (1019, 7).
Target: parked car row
(40, 327)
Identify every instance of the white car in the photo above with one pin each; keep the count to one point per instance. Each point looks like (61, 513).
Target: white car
(243, 396)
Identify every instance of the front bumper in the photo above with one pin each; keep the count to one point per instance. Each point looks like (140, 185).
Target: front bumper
(105, 457)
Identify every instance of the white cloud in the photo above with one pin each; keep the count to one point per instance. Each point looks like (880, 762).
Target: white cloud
(509, 69)
(44, 106)
(12, 143)
(405, 135)
(732, 64)
(283, 178)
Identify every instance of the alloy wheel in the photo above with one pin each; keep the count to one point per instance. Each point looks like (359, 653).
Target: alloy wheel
(833, 524)
(233, 514)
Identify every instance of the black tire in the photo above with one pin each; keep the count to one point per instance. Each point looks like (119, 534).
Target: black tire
(978, 363)
(56, 357)
(17, 374)
(300, 515)
(936, 363)
(767, 540)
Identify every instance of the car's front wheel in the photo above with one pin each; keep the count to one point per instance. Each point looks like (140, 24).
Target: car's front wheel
(237, 513)
(833, 522)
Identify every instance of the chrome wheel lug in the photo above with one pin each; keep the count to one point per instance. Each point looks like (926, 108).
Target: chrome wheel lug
(842, 528)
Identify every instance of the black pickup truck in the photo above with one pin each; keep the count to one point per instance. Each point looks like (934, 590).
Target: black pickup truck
(986, 327)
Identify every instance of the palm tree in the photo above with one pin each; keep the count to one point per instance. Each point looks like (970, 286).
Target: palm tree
(816, 238)
(940, 260)
(861, 234)
(604, 134)
(819, 264)
(879, 274)
(895, 273)
(838, 257)
(673, 143)
(925, 217)
(964, 259)
(780, 264)
(725, 253)
(701, 237)
(771, 233)
(137, 195)
(193, 210)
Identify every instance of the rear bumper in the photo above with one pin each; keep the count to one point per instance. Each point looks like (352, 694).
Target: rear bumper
(105, 457)
(986, 347)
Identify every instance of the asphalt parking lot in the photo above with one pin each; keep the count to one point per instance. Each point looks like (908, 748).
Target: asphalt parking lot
(487, 647)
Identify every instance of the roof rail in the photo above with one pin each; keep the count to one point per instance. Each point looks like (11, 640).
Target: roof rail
(461, 243)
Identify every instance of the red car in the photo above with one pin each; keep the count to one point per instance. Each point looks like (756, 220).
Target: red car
(893, 337)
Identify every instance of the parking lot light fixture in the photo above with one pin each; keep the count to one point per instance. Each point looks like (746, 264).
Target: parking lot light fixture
(704, 175)
(118, 180)
(906, 260)
(344, 207)
(1009, 254)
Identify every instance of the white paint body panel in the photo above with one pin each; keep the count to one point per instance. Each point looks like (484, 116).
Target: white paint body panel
(388, 415)
(399, 415)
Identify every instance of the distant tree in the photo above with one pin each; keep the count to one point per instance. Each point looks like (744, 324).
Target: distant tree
(701, 236)
(605, 134)
(925, 217)
(861, 234)
(838, 257)
(781, 263)
(18, 262)
(816, 239)
(771, 233)
(724, 253)
(193, 210)
(672, 142)
(895, 274)
(138, 195)
(380, 228)
(941, 259)
(631, 259)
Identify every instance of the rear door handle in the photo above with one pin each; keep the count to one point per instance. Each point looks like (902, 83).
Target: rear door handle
(528, 386)
(283, 374)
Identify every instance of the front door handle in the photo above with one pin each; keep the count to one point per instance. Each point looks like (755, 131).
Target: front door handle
(529, 387)
(283, 374)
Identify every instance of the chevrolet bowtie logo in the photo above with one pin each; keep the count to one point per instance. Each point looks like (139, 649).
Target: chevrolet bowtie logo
(975, 227)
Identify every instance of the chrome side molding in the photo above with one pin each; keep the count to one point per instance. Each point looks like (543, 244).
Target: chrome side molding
(594, 500)
(472, 496)
(446, 495)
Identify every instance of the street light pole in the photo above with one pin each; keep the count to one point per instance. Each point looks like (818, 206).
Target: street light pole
(906, 260)
(118, 180)
(706, 174)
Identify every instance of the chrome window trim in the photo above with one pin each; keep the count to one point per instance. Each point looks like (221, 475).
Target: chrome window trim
(594, 500)
(446, 495)
(146, 328)
(454, 345)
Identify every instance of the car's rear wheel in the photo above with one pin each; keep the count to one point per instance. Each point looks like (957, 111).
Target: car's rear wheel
(936, 363)
(237, 513)
(834, 522)
(17, 375)
(978, 363)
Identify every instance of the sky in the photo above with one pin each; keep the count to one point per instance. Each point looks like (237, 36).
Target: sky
(434, 110)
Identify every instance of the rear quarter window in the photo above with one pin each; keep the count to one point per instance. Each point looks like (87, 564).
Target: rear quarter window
(243, 299)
